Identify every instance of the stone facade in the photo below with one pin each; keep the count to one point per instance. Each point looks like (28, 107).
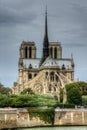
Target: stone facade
(44, 75)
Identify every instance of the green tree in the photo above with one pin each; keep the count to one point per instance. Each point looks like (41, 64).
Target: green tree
(73, 94)
(4, 90)
(82, 87)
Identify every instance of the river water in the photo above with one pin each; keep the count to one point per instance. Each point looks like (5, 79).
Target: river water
(59, 128)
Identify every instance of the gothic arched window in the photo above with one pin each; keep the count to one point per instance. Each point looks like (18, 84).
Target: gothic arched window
(54, 89)
(46, 75)
(56, 78)
(49, 88)
(30, 76)
(30, 52)
(25, 52)
(55, 52)
(35, 75)
(51, 52)
(52, 76)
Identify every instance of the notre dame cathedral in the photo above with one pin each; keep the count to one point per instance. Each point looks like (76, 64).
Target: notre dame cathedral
(45, 75)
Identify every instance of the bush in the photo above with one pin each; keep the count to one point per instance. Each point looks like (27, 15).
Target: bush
(67, 105)
(4, 101)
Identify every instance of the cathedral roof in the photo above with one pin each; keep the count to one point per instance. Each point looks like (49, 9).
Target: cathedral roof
(34, 63)
(49, 62)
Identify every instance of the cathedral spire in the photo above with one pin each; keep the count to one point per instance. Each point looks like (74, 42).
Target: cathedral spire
(45, 41)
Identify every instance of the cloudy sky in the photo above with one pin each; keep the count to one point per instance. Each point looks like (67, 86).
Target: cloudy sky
(24, 20)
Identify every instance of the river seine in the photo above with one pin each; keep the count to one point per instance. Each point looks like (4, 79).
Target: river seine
(59, 128)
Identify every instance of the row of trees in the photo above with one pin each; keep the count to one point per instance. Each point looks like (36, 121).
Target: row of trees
(75, 92)
(26, 100)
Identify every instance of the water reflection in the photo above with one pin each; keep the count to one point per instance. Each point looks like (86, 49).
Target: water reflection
(59, 128)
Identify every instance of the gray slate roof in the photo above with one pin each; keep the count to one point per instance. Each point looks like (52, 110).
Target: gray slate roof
(49, 62)
(33, 62)
(57, 63)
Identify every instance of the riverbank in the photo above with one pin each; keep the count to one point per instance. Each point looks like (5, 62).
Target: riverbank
(20, 118)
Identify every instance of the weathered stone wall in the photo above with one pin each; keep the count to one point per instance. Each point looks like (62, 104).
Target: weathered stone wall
(8, 118)
(70, 117)
(19, 117)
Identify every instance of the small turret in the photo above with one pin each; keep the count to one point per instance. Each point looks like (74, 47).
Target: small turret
(72, 61)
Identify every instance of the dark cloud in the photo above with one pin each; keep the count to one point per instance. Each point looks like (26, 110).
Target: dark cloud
(24, 20)
(8, 16)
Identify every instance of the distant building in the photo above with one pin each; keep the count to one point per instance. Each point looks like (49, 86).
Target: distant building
(45, 75)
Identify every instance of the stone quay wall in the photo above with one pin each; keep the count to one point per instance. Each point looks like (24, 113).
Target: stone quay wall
(70, 117)
(19, 117)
